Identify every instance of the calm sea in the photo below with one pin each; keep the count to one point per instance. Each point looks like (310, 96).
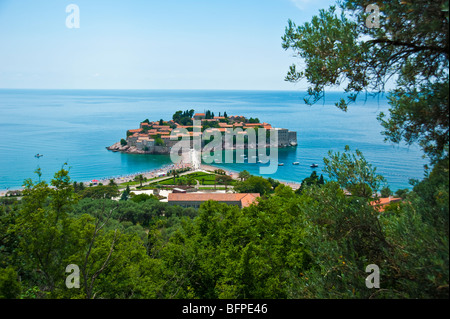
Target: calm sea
(75, 126)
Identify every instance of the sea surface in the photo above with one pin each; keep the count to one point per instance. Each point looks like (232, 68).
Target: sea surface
(76, 126)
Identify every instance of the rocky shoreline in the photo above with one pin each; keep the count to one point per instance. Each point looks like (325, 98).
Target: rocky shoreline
(118, 147)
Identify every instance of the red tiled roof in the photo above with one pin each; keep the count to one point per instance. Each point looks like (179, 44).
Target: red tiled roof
(209, 120)
(246, 199)
(381, 202)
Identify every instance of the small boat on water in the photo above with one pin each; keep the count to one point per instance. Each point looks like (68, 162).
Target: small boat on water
(314, 165)
(295, 163)
(38, 155)
(280, 164)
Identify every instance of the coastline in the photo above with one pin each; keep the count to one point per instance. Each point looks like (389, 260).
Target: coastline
(235, 175)
(163, 169)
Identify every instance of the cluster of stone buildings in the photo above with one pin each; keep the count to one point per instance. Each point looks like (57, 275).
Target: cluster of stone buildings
(154, 137)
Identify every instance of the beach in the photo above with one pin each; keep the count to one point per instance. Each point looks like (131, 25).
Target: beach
(159, 172)
(154, 173)
(235, 175)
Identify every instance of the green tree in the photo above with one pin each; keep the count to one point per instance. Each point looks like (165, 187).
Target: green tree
(123, 142)
(139, 178)
(385, 192)
(174, 173)
(223, 180)
(353, 173)
(112, 182)
(101, 191)
(411, 44)
(253, 120)
(10, 287)
(159, 141)
(402, 193)
(254, 184)
(351, 237)
(244, 175)
(126, 194)
(273, 182)
(142, 198)
(421, 268)
(42, 227)
(313, 179)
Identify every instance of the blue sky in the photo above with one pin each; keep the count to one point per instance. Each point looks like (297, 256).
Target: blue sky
(147, 44)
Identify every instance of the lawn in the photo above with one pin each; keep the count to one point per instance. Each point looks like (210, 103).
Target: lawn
(203, 178)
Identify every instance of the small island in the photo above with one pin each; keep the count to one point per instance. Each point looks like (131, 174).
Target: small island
(155, 137)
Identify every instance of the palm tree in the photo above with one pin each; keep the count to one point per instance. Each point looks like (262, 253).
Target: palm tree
(226, 179)
(140, 179)
(244, 175)
(174, 173)
(112, 182)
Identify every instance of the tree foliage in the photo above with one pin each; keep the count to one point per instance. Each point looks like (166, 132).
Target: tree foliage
(410, 45)
(353, 173)
(313, 245)
(254, 184)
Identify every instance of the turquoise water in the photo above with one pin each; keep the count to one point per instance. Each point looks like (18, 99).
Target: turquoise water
(75, 126)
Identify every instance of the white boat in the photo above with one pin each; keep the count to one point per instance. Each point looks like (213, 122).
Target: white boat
(259, 161)
(295, 163)
(280, 164)
(314, 165)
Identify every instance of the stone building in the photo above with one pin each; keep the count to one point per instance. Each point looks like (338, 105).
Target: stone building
(196, 199)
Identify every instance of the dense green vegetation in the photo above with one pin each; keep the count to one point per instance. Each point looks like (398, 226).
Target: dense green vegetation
(183, 117)
(202, 178)
(313, 243)
(143, 248)
(410, 44)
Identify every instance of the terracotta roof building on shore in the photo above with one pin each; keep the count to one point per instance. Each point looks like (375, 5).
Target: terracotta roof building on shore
(382, 202)
(196, 199)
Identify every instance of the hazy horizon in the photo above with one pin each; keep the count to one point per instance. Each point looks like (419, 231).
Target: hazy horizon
(201, 45)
